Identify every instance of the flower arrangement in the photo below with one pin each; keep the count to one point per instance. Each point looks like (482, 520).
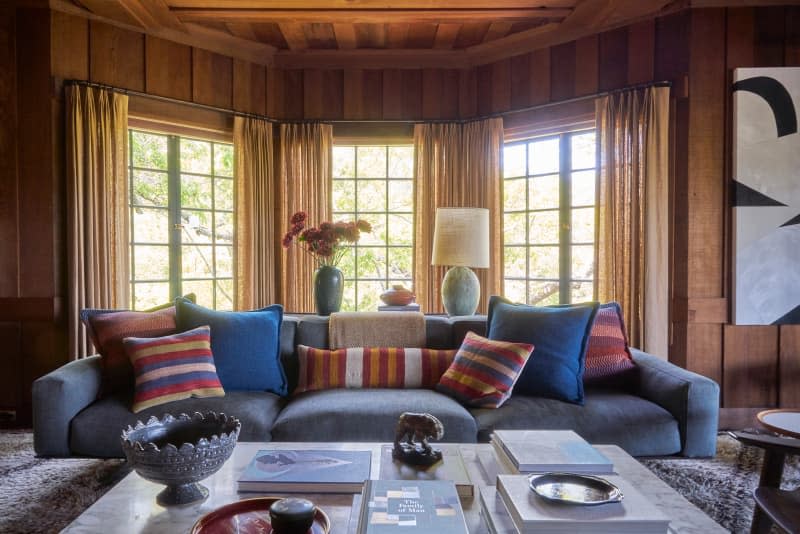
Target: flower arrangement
(326, 243)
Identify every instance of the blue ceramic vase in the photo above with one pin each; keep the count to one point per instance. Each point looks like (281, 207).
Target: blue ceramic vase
(328, 289)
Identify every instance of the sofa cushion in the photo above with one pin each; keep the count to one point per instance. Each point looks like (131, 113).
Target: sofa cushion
(376, 329)
(637, 425)
(246, 345)
(559, 333)
(608, 359)
(370, 367)
(367, 415)
(97, 429)
(173, 367)
(484, 371)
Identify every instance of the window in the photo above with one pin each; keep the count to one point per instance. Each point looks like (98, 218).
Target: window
(181, 212)
(375, 183)
(549, 218)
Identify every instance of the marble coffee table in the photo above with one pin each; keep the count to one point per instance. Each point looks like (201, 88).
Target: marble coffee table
(130, 506)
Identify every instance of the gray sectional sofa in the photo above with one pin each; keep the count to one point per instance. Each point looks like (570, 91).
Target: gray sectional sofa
(670, 411)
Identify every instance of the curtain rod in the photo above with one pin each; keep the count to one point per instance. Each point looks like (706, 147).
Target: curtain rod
(500, 114)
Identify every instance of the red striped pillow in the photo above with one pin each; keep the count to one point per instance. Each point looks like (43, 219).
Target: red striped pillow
(608, 359)
(172, 368)
(371, 367)
(484, 371)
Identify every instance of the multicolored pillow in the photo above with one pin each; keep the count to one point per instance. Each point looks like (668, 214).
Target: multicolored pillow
(372, 367)
(109, 328)
(484, 371)
(172, 368)
(608, 359)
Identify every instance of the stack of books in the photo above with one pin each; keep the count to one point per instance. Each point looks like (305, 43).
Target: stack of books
(514, 508)
(544, 451)
(306, 471)
(450, 467)
(401, 506)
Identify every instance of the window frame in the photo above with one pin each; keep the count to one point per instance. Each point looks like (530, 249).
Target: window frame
(387, 246)
(565, 207)
(175, 241)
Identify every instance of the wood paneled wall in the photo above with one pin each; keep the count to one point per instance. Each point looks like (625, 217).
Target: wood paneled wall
(695, 50)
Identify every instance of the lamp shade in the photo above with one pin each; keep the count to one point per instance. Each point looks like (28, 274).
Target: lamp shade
(461, 237)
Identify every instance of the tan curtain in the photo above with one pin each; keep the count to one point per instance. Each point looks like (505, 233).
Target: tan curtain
(633, 204)
(457, 165)
(304, 184)
(97, 205)
(257, 263)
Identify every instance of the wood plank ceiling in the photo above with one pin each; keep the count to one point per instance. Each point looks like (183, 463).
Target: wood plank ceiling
(374, 33)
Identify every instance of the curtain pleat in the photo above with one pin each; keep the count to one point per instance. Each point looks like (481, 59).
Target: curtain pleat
(257, 264)
(457, 165)
(97, 205)
(633, 203)
(304, 184)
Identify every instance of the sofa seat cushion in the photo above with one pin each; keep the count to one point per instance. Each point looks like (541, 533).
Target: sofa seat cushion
(639, 426)
(367, 415)
(96, 430)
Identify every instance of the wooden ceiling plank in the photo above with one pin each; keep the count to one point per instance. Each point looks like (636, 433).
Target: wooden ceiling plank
(295, 35)
(370, 4)
(152, 13)
(370, 59)
(369, 16)
(396, 35)
(111, 10)
(345, 36)
(446, 35)
(243, 30)
(320, 36)
(497, 30)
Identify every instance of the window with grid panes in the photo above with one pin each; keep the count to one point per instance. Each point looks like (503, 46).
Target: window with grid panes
(375, 183)
(549, 186)
(181, 213)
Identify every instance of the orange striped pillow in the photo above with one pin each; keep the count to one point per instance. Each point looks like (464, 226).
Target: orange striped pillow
(370, 367)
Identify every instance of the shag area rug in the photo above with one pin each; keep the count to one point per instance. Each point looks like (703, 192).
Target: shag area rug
(45, 495)
(723, 486)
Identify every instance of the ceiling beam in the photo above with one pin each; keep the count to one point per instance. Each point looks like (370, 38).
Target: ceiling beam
(369, 16)
(193, 35)
(152, 14)
(371, 59)
(371, 4)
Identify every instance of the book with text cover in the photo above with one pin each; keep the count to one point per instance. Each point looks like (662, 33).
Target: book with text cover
(532, 514)
(403, 506)
(314, 471)
(539, 451)
(494, 512)
(450, 467)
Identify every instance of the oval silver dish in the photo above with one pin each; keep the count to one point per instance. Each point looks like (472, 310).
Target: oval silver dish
(573, 488)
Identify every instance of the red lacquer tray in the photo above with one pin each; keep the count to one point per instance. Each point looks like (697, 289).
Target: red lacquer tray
(250, 516)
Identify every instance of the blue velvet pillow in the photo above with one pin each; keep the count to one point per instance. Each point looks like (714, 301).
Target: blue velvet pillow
(560, 335)
(246, 345)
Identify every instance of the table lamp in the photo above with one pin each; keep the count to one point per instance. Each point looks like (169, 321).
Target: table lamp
(461, 240)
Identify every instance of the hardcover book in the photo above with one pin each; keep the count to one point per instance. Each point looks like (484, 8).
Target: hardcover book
(314, 471)
(401, 506)
(494, 512)
(450, 467)
(539, 451)
(532, 514)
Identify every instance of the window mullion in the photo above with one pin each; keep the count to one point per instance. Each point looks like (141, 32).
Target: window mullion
(174, 204)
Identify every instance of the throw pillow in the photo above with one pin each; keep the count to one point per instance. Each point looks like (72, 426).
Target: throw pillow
(608, 359)
(109, 328)
(484, 371)
(560, 335)
(372, 367)
(172, 368)
(246, 345)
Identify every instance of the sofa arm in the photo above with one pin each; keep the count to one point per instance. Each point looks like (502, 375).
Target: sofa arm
(59, 396)
(692, 399)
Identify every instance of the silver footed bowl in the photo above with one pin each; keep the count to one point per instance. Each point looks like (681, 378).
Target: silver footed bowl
(180, 451)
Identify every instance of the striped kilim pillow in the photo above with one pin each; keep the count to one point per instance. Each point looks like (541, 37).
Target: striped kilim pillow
(370, 367)
(484, 371)
(172, 368)
(608, 359)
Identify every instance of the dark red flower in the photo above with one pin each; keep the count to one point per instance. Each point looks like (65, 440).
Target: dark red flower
(287, 240)
(297, 228)
(298, 218)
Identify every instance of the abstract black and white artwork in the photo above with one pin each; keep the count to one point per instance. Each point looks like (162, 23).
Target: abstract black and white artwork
(766, 196)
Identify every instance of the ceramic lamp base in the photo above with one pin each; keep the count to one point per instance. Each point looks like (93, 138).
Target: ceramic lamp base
(460, 291)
